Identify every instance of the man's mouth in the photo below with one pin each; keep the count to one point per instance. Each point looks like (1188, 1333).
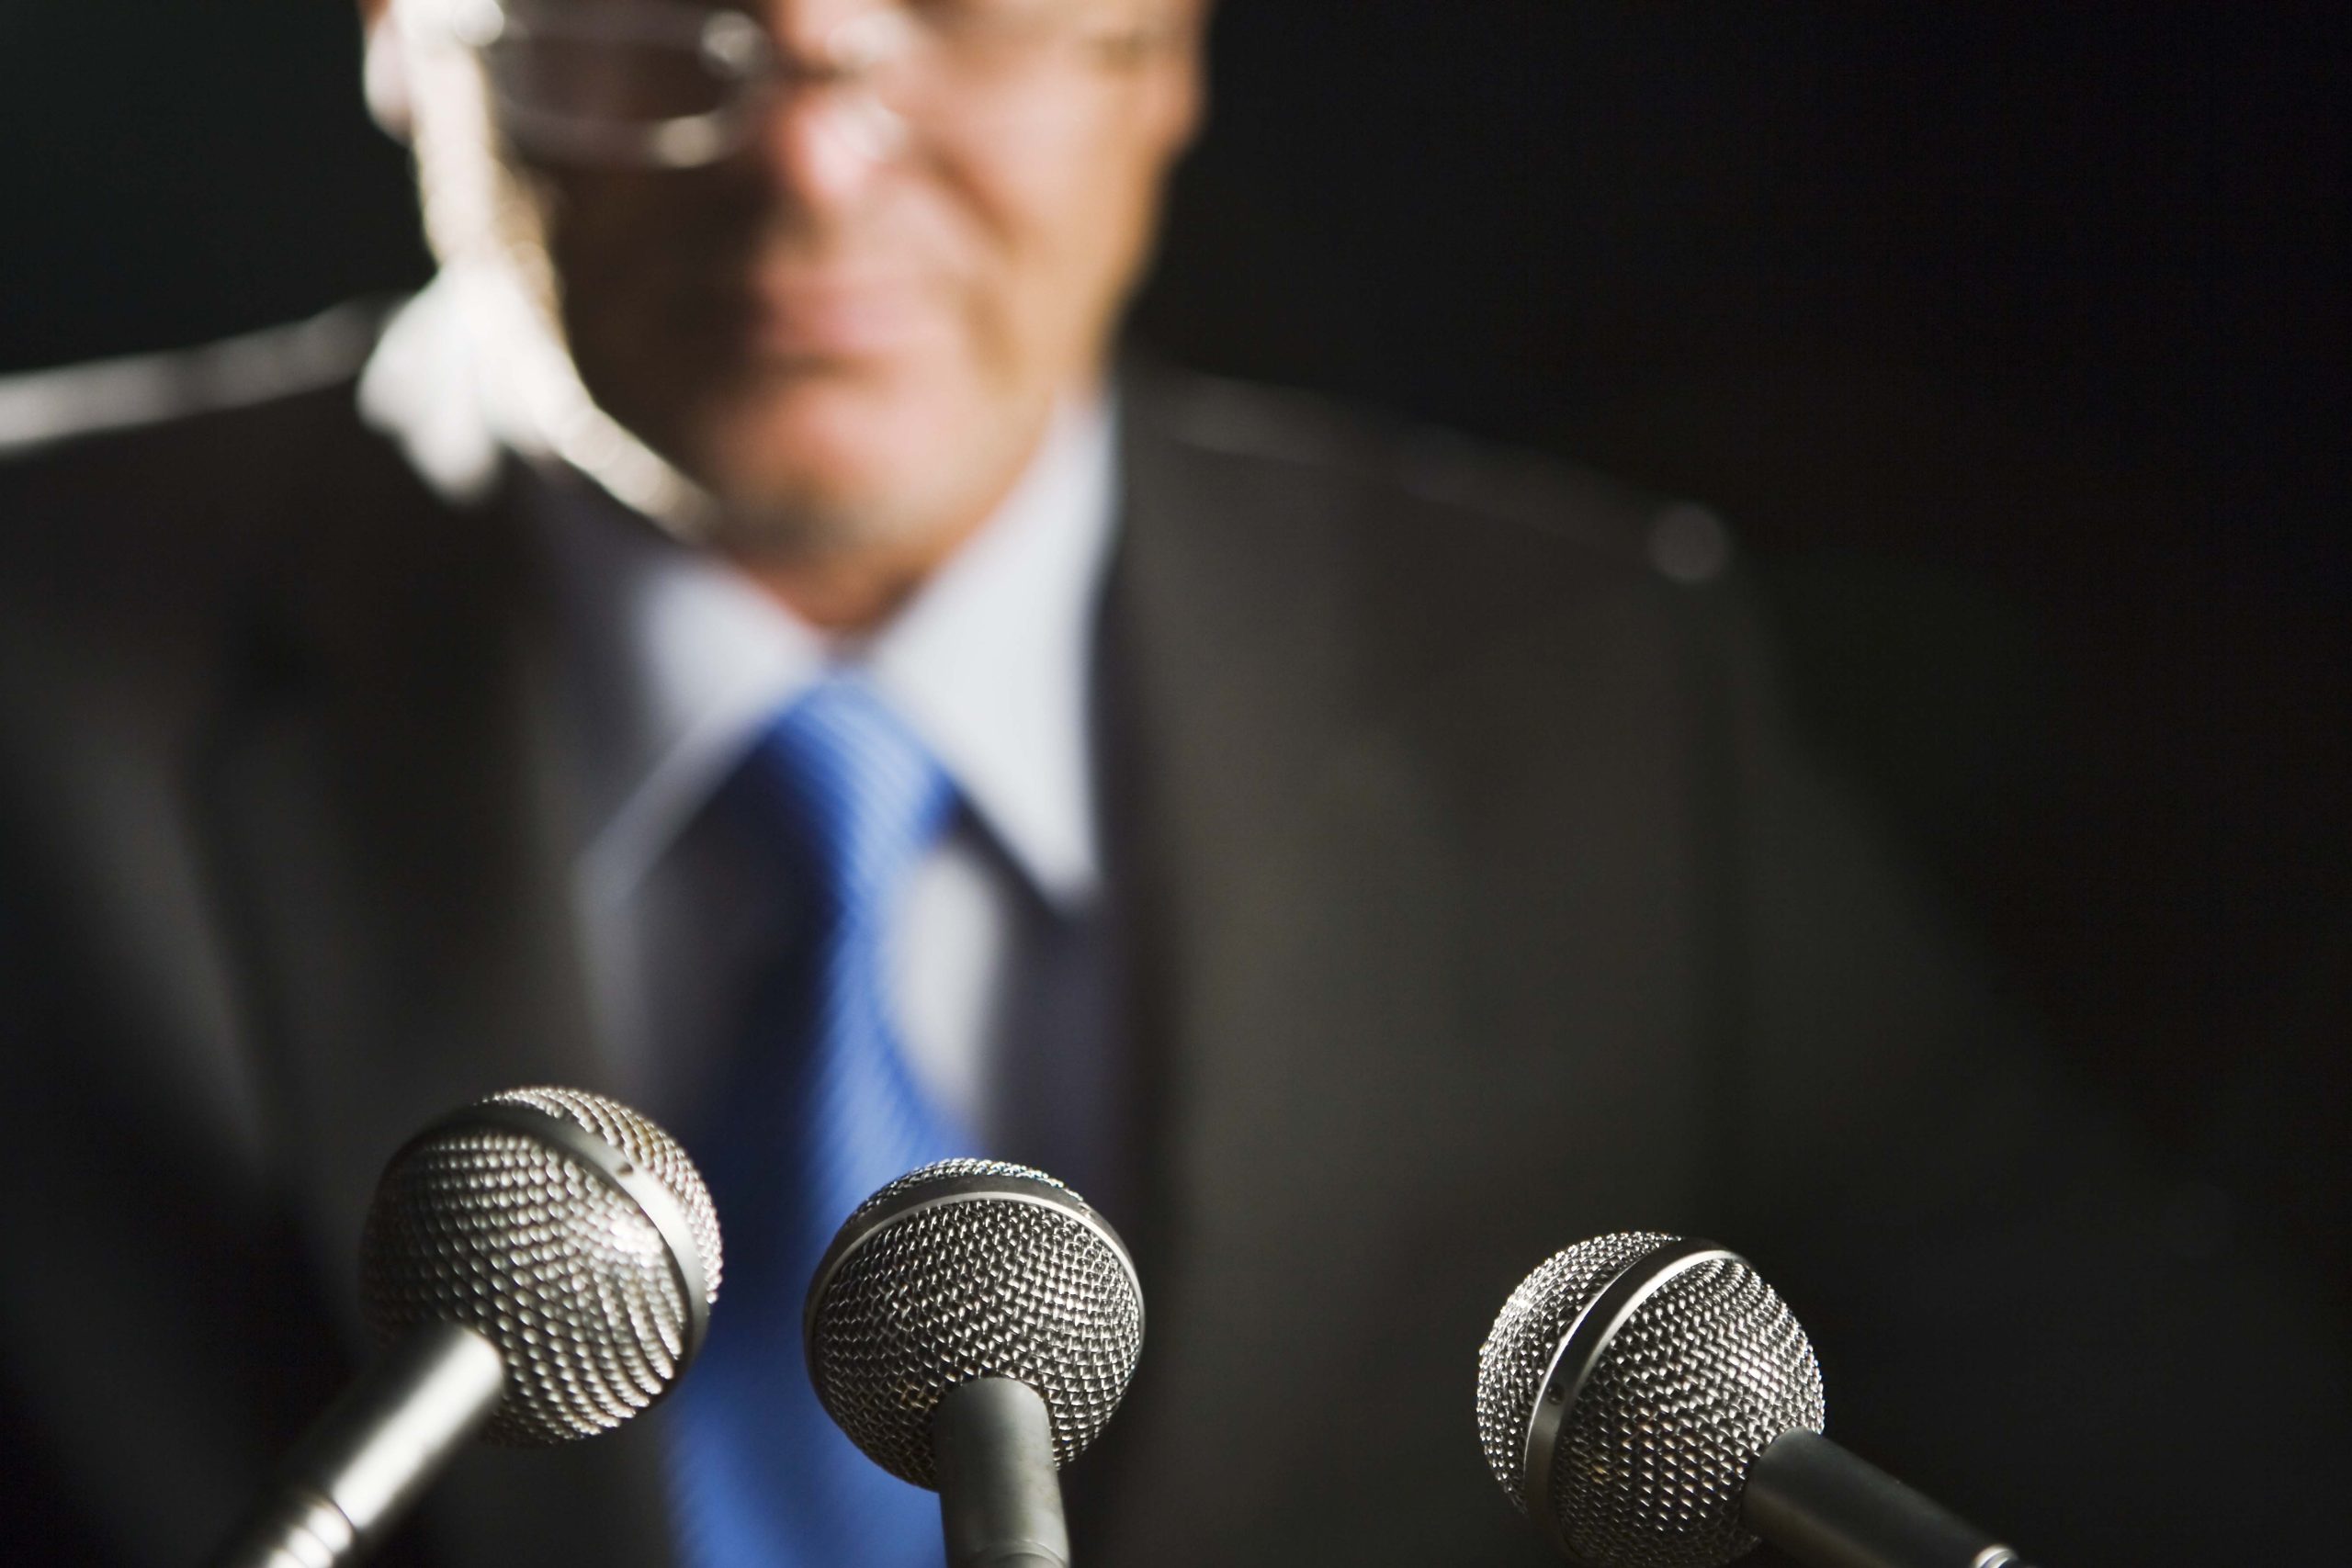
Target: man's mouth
(836, 316)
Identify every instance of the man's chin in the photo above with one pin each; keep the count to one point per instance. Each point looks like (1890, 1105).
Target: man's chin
(799, 486)
(800, 456)
(844, 441)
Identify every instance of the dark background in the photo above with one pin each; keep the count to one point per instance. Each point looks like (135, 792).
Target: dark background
(2012, 338)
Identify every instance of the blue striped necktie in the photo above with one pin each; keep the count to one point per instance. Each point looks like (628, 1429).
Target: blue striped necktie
(840, 800)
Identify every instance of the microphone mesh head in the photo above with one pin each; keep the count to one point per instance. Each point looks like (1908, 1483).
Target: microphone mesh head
(495, 1224)
(1652, 1458)
(1518, 1350)
(965, 1269)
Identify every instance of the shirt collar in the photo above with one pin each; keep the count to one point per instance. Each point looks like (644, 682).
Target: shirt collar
(678, 661)
(992, 662)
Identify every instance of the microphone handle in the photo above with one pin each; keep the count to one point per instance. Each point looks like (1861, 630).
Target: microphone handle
(1816, 1501)
(999, 1494)
(366, 1461)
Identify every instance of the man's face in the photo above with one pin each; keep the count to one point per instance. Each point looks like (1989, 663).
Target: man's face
(850, 340)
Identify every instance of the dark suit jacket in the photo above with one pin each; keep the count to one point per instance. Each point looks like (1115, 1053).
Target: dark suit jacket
(1480, 900)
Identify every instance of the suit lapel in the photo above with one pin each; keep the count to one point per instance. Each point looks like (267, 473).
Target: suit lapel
(386, 801)
(1254, 802)
(1406, 946)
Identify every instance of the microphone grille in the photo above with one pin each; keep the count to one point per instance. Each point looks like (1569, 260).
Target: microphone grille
(1518, 1348)
(568, 1229)
(966, 1269)
(1652, 1450)
(645, 1145)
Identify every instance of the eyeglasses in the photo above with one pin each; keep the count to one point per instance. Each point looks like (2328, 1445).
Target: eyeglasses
(656, 84)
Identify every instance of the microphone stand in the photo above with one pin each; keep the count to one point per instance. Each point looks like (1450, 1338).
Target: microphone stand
(1823, 1507)
(1000, 1495)
(372, 1454)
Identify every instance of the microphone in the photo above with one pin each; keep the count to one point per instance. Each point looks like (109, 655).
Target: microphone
(541, 1266)
(971, 1328)
(1650, 1403)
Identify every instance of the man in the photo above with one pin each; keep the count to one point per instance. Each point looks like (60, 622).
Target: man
(1362, 864)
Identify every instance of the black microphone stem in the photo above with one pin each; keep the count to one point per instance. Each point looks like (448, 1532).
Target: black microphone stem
(366, 1461)
(1000, 1496)
(1823, 1507)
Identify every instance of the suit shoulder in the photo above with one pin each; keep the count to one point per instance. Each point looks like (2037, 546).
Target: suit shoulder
(168, 454)
(174, 433)
(131, 485)
(74, 406)
(1508, 504)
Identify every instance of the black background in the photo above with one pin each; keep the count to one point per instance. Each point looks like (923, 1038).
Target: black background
(2012, 338)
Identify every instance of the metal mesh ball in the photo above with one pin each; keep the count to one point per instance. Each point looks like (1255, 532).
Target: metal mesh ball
(1519, 1347)
(980, 1284)
(509, 1234)
(1652, 1458)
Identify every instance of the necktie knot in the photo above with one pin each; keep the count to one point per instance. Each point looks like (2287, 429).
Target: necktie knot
(853, 794)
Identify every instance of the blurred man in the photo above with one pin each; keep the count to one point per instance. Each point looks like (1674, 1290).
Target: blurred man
(1362, 864)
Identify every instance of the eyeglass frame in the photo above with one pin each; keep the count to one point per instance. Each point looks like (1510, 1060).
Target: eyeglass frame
(748, 66)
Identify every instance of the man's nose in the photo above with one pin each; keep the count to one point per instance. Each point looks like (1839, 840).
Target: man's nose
(825, 139)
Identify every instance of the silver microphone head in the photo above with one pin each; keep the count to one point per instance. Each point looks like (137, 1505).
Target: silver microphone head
(1626, 1387)
(966, 1269)
(568, 1229)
